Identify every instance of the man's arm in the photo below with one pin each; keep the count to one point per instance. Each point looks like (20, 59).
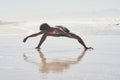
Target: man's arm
(33, 35)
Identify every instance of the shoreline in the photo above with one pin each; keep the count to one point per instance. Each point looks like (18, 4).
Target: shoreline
(63, 57)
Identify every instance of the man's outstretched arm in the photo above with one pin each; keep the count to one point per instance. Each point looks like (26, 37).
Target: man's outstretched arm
(33, 35)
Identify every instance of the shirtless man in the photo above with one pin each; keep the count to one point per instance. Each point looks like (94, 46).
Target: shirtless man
(57, 31)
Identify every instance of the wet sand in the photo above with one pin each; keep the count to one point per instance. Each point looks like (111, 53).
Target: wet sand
(60, 58)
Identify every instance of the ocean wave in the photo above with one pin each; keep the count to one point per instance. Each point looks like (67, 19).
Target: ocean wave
(79, 28)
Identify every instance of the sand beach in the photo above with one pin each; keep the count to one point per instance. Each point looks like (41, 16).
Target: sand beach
(60, 58)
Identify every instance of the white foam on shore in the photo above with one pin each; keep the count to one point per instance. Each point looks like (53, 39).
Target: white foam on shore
(96, 27)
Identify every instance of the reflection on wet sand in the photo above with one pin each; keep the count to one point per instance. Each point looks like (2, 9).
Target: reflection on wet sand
(56, 65)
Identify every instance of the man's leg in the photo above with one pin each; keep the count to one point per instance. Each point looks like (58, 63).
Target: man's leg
(71, 35)
(41, 41)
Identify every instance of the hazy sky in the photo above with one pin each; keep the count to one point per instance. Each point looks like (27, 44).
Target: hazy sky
(36, 9)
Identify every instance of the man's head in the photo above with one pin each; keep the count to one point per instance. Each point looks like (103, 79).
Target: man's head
(44, 26)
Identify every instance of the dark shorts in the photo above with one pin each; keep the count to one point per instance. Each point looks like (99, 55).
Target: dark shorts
(66, 30)
(63, 29)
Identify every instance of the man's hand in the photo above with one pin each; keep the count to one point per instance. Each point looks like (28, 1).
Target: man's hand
(25, 39)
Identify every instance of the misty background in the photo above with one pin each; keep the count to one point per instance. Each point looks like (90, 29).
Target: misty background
(59, 9)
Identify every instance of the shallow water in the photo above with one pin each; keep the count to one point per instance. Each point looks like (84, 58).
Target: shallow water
(60, 59)
(26, 28)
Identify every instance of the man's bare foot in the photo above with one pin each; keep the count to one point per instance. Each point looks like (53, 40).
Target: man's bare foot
(88, 48)
(37, 48)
